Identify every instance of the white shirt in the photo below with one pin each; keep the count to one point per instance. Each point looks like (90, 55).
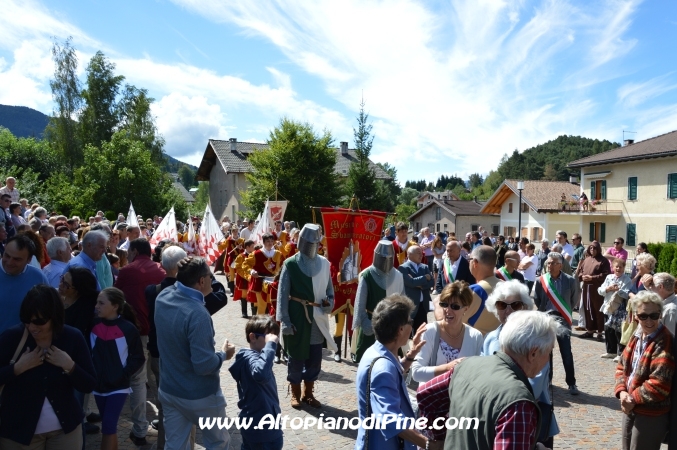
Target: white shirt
(530, 272)
(568, 251)
(245, 233)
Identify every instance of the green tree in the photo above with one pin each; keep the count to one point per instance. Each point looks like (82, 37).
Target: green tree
(302, 163)
(62, 131)
(28, 152)
(133, 111)
(475, 180)
(403, 212)
(187, 177)
(408, 196)
(99, 117)
(201, 199)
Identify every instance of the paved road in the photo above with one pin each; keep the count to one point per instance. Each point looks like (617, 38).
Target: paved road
(591, 420)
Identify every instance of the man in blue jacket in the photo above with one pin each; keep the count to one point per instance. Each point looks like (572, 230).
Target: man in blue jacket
(417, 284)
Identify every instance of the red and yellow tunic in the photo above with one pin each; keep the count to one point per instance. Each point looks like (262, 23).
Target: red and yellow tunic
(271, 290)
(290, 250)
(281, 243)
(241, 278)
(322, 246)
(264, 267)
(229, 254)
(401, 252)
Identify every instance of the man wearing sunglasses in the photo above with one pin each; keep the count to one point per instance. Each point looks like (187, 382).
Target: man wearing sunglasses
(617, 251)
(482, 266)
(555, 294)
(17, 277)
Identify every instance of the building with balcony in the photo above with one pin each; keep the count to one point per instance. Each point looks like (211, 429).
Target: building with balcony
(634, 188)
(543, 207)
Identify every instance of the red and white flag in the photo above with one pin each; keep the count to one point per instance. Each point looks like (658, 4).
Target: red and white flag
(166, 230)
(210, 236)
(276, 210)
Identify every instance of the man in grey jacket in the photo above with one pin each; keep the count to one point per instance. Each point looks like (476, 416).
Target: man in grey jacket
(189, 386)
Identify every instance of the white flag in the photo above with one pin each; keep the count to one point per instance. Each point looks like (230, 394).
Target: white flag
(276, 210)
(210, 236)
(166, 230)
(132, 221)
(190, 246)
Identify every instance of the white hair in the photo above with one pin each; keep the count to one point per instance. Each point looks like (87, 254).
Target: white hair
(557, 248)
(505, 290)
(413, 249)
(171, 257)
(647, 260)
(55, 244)
(556, 256)
(528, 330)
(646, 297)
(664, 279)
(94, 236)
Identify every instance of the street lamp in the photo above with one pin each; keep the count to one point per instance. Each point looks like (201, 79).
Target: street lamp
(520, 188)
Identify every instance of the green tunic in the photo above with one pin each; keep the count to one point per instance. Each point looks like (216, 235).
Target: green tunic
(375, 294)
(301, 286)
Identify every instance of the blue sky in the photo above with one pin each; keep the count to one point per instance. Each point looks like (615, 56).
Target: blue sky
(450, 86)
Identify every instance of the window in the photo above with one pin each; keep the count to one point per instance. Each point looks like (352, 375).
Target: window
(671, 234)
(445, 227)
(508, 232)
(672, 185)
(631, 234)
(438, 213)
(632, 189)
(598, 190)
(233, 215)
(509, 207)
(525, 232)
(537, 234)
(418, 227)
(525, 208)
(438, 227)
(495, 230)
(597, 232)
(474, 227)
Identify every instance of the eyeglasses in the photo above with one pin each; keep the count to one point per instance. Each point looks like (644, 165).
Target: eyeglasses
(515, 306)
(39, 321)
(652, 316)
(454, 306)
(66, 284)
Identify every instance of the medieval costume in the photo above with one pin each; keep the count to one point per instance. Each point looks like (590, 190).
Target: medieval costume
(264, 263)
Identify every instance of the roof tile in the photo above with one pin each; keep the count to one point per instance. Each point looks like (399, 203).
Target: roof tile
(655, 147)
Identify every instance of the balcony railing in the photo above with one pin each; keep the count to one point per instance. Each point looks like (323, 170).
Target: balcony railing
(591, 207)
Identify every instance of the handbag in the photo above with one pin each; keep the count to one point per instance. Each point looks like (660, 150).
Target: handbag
(17, 352)
(627, 330)
(614, 303)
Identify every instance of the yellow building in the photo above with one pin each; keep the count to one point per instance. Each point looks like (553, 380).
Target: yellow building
(632, 192)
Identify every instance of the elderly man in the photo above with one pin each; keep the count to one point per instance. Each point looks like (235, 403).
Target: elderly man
(555, 294)
(417, 283)
(190, 386)
(509, 270)
(9, 189)
(376, 282)
(132, 234)
(495, 389)
(542, 256)
(305, 297)
(59, 252)
(93, 248)
(454, 267)
(17, 277)
(482, 266)
(104, 272)
(663, 284)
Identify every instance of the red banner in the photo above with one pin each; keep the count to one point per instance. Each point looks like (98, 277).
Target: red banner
(351, 239)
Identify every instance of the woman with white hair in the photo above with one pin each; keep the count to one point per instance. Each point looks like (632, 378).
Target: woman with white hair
(644, 376)
(507, 298)
(645, 264)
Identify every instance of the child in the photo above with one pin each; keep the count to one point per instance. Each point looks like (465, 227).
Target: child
(617, 282)
(256, 386)
(114, 336)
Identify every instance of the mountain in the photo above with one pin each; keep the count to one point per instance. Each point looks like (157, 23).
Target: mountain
(25, 122)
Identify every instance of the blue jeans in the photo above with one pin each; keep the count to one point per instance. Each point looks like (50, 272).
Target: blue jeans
(272, 445)
(564, 343)
(305, 370)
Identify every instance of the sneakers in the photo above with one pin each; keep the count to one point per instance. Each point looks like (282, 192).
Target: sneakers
(607, 355)
(337, 357)
(277, 360)
(155, 424)
(573, 390)
(139, 442)
(617, 359)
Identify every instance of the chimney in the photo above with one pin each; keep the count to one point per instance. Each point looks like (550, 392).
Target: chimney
(233, 145)
(344, 148)
(628, 142)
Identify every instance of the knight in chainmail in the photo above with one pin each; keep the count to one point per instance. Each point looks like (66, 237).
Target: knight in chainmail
(375, 283)
(305, 291)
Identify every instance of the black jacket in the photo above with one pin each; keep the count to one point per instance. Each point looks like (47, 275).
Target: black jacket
(23, 396)
(462, 274)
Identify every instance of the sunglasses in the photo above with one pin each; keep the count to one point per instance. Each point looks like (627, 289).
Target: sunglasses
(39, 321)
(652, 316)
(454, 306)
(516, 306)
(616, 243)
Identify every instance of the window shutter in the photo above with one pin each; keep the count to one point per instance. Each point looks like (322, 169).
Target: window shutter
(630, 235)
(632, 188)
(671, 233)
(602, 233)
(603, 189)
(672, 185)
(592, 190)
(592, 231)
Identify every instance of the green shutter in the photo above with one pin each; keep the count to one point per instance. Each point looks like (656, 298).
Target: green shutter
(630, 235)
(592, 231)
(632, 189)
(672, 185)
(602, 233)
(671, 234)
(592, 190)
(603, 189)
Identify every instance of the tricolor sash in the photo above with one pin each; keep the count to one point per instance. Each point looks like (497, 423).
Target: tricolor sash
(448, 274)
(562, 307)
(503, 274)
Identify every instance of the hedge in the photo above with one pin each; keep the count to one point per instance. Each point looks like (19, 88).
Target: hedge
(666, 257)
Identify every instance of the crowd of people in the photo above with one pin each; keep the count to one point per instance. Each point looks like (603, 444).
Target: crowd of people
(89, 308)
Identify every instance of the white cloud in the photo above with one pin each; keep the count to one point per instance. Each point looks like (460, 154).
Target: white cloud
(634, 94)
